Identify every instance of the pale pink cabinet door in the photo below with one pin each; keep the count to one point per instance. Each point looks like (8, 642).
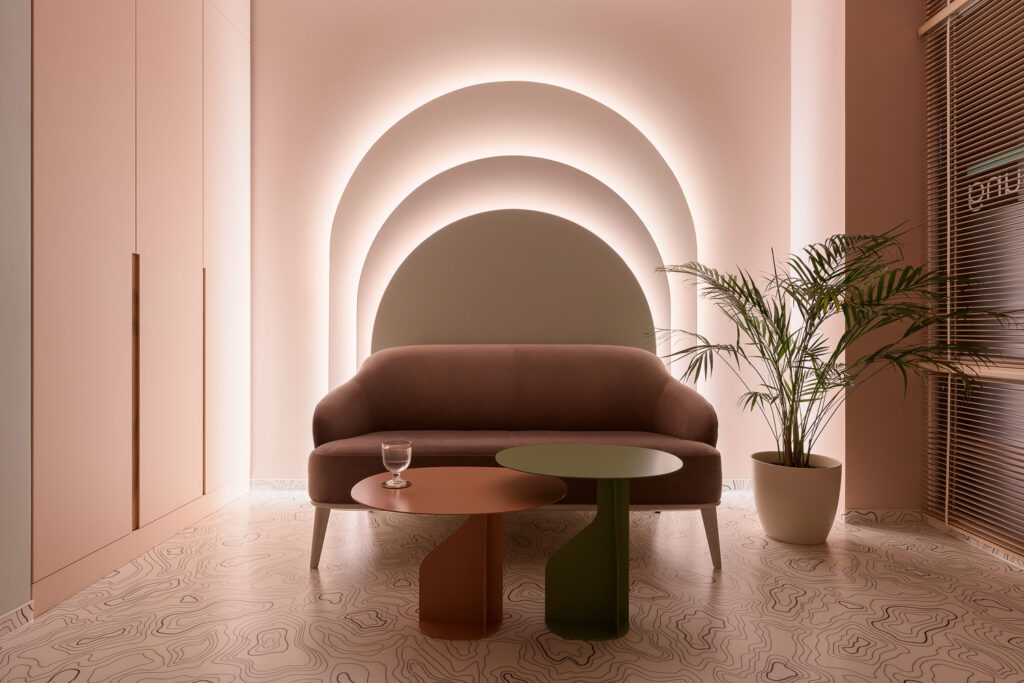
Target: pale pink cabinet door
(227, 251)
(170, 245)
(84, 234)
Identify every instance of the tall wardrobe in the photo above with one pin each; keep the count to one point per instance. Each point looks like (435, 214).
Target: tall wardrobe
(141, 277)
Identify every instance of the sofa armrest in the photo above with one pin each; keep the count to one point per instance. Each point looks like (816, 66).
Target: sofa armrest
(341, 414)
(683, 413)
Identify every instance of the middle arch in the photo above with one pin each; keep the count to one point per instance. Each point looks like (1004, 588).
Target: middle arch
(514, 182)
(493, 119)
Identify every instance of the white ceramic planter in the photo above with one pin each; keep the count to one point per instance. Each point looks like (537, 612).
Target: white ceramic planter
(796, 504)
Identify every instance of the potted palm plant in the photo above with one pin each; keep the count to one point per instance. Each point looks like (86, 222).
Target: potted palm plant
(797, 372)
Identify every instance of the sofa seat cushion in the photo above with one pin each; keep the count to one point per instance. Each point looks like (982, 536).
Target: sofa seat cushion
(335, 467)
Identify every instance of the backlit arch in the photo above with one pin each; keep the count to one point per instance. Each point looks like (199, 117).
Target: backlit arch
(511, 182)
(501, 119)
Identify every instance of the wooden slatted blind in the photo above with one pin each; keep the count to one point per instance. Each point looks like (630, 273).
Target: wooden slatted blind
(974, 71)
(933, 7)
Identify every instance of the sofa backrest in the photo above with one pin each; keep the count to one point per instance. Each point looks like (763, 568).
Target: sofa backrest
(513, 386)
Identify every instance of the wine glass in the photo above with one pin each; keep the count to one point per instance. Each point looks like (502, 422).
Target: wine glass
(397, 455)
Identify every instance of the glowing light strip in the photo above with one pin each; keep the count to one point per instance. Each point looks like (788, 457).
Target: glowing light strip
(495, 119)
(511, 182)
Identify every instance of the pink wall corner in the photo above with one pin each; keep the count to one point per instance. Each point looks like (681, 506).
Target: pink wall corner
(238, 13)
(118, 167)
(818, 149)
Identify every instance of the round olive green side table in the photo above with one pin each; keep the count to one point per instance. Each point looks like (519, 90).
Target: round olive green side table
(586, 582)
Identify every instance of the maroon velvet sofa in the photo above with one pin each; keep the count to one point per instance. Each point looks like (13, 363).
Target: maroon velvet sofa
(462, 404)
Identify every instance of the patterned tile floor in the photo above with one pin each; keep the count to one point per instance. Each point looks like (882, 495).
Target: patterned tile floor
(231, 599)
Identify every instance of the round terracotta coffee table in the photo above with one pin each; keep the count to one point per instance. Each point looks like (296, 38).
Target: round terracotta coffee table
(461, 579)
(586, 581)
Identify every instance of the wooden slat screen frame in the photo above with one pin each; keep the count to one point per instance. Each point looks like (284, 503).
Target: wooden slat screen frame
(974, 90)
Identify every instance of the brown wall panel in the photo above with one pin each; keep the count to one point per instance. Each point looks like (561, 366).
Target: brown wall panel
(84, 217)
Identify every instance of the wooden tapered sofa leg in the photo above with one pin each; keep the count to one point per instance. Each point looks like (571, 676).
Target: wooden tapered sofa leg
(710, 517)
(323, 515)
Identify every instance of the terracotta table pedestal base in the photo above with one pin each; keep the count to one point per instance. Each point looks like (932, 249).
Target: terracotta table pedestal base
(461, 581)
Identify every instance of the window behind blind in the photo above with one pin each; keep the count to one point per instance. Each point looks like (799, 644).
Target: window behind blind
(974, 71)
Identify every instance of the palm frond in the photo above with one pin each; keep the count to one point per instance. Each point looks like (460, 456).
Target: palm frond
(780, 324)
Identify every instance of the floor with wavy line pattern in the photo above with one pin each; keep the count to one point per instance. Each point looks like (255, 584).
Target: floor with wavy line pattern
(231, 599)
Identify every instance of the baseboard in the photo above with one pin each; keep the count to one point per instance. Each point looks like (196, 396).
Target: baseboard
(1001, 553)
(881, 516)
(277, 484)
(53, 589)
(300, 484)
(16, 619)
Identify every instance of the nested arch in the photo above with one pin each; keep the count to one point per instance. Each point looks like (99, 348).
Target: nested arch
(524, 183)
(509, 118)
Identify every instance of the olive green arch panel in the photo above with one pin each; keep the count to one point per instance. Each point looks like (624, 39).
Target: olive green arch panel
(513, 276)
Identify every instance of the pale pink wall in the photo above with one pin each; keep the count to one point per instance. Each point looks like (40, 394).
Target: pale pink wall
(707, 83)
(857, 166)
(818, 149)
(226, 241)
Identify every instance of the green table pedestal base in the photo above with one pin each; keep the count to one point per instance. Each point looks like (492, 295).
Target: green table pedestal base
(587, 580)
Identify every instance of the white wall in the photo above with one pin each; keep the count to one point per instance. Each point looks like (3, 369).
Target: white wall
(706, 83)
(15, 303)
